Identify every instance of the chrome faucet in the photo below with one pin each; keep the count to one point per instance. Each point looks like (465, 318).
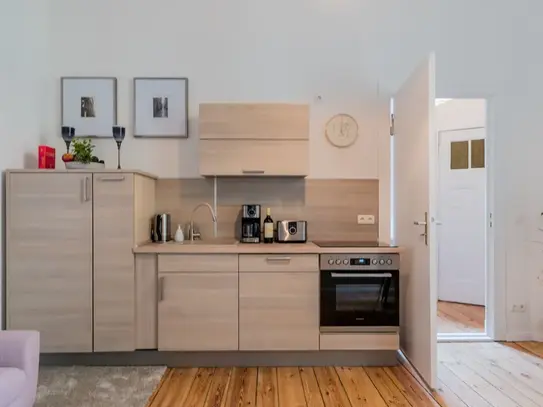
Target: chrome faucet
(213, 217)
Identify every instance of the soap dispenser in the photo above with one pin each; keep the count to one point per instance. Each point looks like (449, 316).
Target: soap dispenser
(179, 236)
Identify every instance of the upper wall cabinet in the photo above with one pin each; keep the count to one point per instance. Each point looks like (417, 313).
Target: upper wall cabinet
(254, 139)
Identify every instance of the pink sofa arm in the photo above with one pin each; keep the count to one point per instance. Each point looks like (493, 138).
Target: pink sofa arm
(21, 349)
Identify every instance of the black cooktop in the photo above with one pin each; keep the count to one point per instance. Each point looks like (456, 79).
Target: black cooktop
(351, 243)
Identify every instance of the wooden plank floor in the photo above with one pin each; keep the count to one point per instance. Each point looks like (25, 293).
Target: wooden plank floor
(453, 317)
(470, 375)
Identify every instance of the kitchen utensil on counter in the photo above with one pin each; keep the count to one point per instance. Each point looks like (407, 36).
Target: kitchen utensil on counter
(291, 231)
(162, 227)
(250, 224)
(179, 235)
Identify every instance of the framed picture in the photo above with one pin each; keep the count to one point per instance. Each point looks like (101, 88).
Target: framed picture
(89, 104)
(161, 107)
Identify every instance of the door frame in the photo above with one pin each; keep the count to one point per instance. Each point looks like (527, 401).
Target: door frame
(495, 293)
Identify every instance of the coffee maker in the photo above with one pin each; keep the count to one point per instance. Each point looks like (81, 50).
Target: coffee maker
(250, 224)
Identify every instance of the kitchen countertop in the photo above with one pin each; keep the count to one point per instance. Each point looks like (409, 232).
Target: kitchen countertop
(87, 170)
(226, 246)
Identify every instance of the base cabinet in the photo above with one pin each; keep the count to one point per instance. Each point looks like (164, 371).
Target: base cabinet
(198, 311)
(279, 311)
(49, 258)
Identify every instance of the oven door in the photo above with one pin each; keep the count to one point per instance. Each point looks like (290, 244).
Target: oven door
(360, 299)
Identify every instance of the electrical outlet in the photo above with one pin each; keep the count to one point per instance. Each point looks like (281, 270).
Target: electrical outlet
(366, 219)
(518, 308)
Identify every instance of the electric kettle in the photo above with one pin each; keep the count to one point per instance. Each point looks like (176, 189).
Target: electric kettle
(162, 228)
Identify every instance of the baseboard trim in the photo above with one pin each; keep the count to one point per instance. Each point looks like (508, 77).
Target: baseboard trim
(520, 336)
(225, 359)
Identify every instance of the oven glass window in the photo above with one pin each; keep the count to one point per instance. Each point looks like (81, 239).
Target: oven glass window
(365, 297)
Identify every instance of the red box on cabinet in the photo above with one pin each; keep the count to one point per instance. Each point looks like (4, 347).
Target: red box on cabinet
(46, 157)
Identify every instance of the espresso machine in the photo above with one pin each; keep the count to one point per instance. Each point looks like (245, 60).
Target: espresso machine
(250, 224)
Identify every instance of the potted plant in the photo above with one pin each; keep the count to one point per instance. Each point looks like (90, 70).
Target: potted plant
(81, 156)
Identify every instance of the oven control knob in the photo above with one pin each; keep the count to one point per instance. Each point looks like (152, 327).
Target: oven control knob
(346, 261)
(382, 261)
(330, 261)
(389, 262)
(374, 261)
(338, 261)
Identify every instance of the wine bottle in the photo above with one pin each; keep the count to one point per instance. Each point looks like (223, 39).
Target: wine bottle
(268, 227)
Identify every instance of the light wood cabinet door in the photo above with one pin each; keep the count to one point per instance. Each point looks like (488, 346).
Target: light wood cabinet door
(114, 276)
(279, 311)
(254, 157)
(49, 258)
(198, 311)
(269, 121)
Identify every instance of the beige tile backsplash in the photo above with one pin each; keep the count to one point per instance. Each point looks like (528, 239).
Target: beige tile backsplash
(330, 206)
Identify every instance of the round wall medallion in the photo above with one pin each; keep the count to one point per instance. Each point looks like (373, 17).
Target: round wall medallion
(341, 130)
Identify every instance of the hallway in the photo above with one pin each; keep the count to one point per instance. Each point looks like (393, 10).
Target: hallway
(453, 317)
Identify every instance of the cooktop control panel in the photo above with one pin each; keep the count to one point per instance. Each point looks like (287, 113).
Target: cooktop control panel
(370, 261)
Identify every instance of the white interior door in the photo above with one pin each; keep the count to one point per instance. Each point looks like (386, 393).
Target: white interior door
(415, 182)
(462, 212)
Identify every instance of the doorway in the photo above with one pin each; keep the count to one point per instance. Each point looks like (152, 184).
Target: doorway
(463, 215)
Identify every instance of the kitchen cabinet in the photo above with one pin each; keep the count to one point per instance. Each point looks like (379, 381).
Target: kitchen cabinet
(113, 203)
(278, 302)
(359, 341)
(198, 310)
(254, 139)
(70, 266)
(253, 121)
(49, 258)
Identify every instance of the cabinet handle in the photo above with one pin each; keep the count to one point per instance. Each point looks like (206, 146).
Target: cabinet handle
(252, 171)
(86, 196)
(160, 288)
(121, 178)
(87, 189)
(278, 258)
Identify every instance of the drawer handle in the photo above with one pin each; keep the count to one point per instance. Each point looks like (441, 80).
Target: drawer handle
(278, 258)
(121, 178)
(253, 171)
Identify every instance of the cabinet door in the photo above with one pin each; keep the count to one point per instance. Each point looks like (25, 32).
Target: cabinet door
(269, 121)
(49, 258)
(279, 311)
(198, 311)
(114, 276)
(254, 157)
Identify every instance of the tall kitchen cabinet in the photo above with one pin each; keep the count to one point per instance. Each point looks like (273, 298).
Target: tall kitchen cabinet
(69, 260)
(254, 139)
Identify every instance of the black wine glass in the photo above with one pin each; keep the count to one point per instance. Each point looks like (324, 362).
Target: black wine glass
(68, 134)
(118, 135)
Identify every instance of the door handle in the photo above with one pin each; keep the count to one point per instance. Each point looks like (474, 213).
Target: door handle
(355, 275)
(278, 258)
(121, 178)
(160, 289)
(425, 224)
(252, 171)
(88, 190)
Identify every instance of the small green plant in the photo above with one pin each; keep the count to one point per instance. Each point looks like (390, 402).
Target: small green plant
(82, 150)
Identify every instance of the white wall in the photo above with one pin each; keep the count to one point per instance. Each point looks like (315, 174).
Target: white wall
(343, 50)
(230, 51)
(23, 44)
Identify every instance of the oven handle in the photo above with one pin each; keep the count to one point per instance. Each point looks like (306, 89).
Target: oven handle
(354, 275)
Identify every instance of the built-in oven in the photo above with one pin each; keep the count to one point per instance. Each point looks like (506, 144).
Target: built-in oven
(359, 292)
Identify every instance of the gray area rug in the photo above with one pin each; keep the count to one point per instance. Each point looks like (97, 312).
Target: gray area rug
(90, 386)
